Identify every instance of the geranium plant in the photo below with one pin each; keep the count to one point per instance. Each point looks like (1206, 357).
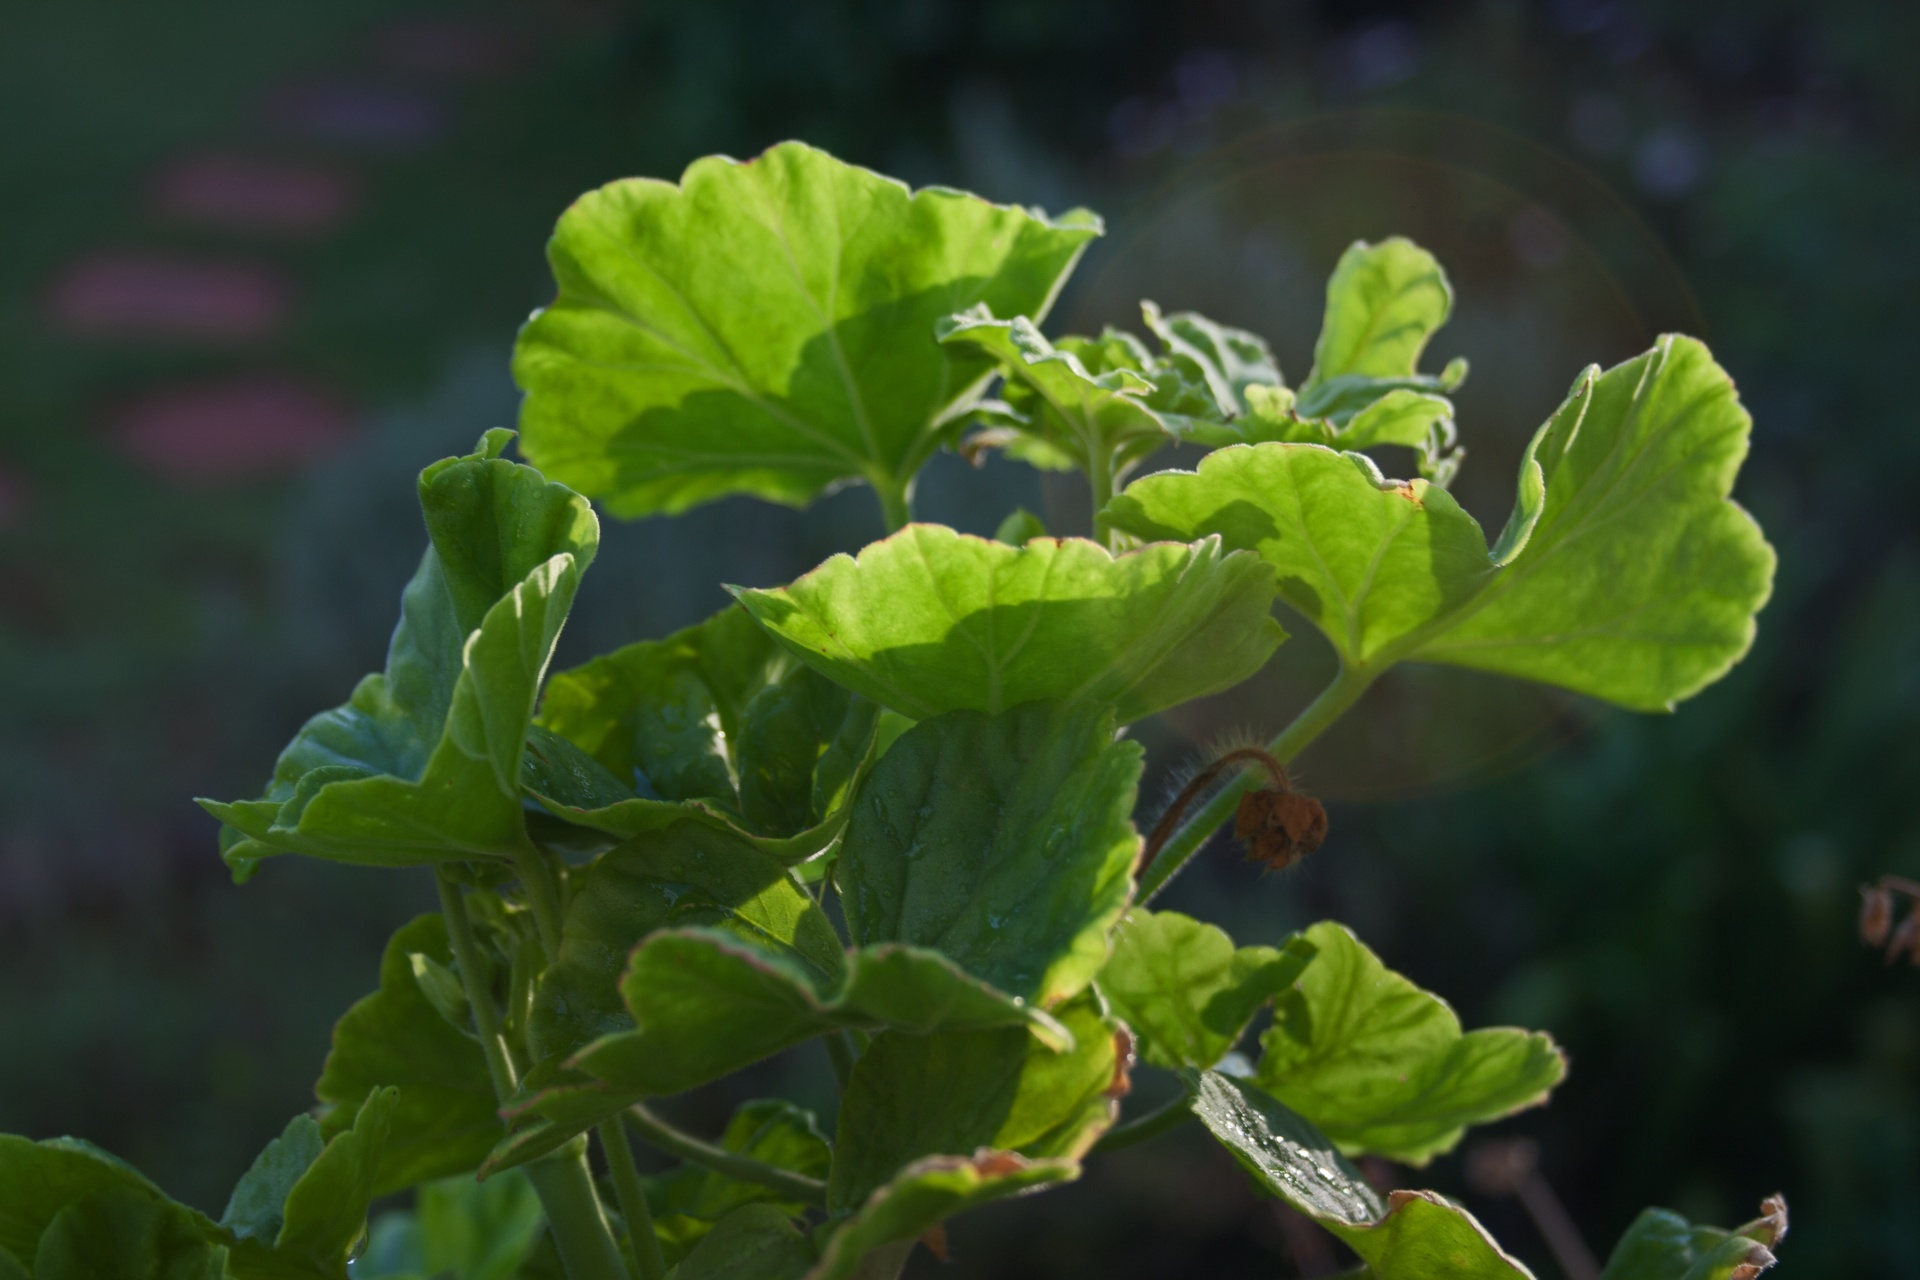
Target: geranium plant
(889, 809)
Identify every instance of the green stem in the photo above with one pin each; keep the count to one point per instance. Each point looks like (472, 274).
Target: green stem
(1333, 701)
(674, 1142)
(580, 1230)
(840, 1051)
(647, 1260)
(896, 501)
(543, 893)
(1170, 1115)
(1100, 482)
(581, 1233)
(473, 977)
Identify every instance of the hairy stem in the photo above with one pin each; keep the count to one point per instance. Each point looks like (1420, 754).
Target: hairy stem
(647, 1260)
(574, 1215)
(657, 1132)
(581, 1233)
(1169, 1115)
(896, 502)
(1308, 725)
(473, 978)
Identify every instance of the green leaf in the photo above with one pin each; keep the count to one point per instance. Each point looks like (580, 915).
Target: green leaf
(708, 1003)
(1228, 361)
(1019, 528)
(1625, 573)
(1384, 301)
(1185, 991)
(930, 620)
(1413, 1235)
(119, 1233)
(754, 1242)
(446, 1118)
(688, 874)
(39, 1179)
(11, 1268)
(457, 1227)
(1382, 1067)
(931, 1124)
(767, 328)
(770, 1130)
(1098, 420)
(1005, 842)
(1661, 1245)
(716, 722)
(423, 764)
(325, 1214)
(256, 1209)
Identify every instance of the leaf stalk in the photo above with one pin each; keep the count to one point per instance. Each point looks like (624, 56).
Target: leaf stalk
(675, 1142)
(647, 1260)
(1318, 716)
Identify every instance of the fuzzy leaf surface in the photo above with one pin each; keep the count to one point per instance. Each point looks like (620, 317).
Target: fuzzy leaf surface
(1411, 1235)
(446, 1118)
(767, 328)
(1625, 573)
(424, 762)
(930, 620)
(1382, 1067)
(1186, 991)
(1004, 842)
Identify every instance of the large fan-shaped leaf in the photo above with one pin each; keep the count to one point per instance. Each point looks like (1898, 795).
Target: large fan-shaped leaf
(1625, 573)
(424, 763)
(1381, 1066)
(767, 328)
(930, 620)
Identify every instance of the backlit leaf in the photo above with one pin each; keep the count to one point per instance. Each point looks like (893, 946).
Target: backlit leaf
(1382, 1067)
(1384, 302)
(767, 328)
(1625, 573)
(423, 764)
(1185, 991)
(930, 620)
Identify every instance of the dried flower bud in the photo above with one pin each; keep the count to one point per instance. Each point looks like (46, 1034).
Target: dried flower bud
(1876, 914)
(1279, 827)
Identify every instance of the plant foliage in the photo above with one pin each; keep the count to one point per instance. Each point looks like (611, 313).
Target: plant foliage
(890, 806)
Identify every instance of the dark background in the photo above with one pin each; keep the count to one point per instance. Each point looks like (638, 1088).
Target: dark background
(260, 263)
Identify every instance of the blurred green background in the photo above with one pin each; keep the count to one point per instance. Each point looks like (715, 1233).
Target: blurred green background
(258, 264)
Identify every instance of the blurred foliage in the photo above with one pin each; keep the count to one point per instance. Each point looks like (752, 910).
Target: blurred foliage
(1672, 898)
